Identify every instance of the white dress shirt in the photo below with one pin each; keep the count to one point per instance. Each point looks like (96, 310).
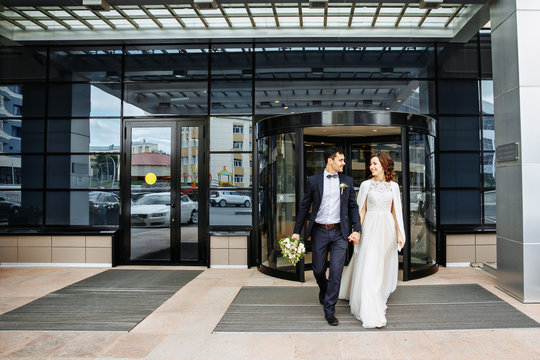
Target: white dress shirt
(329, 209)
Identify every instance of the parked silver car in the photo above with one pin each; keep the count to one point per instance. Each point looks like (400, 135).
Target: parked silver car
(227, 197)
(155, 210)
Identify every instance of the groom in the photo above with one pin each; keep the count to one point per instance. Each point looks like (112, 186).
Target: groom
(333, 200)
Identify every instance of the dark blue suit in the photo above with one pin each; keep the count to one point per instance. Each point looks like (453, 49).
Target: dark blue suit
(333, 240)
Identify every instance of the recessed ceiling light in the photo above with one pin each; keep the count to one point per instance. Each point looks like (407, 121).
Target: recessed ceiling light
(276, 101)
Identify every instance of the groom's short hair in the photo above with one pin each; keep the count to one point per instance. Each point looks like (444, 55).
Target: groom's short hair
(331, 152)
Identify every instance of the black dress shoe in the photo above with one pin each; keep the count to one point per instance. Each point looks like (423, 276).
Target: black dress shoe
(332, 321)
(321, 296)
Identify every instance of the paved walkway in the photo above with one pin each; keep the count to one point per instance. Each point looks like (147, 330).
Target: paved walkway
(182, 327)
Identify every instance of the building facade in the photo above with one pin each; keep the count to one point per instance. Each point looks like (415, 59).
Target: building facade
(143, 123)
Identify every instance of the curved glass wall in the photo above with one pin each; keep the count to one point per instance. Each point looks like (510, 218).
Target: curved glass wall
(290, 148)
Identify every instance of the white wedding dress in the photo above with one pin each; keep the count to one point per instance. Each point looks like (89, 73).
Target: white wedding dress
(372, 273)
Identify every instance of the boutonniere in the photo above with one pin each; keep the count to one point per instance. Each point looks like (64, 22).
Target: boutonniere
(343, 186)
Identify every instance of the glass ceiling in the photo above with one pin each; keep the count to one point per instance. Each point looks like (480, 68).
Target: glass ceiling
(235, 20)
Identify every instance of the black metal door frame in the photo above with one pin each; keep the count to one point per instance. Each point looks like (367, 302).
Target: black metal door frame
(175, 186)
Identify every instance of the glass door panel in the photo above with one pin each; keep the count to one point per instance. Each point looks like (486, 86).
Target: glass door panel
(150, 188)
(422, 200)
(164, 192)
(189, 188)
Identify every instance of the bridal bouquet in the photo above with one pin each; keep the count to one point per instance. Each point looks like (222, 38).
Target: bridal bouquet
(292, 250)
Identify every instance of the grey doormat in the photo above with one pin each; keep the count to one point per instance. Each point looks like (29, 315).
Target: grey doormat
(422, 307)
(114, 300)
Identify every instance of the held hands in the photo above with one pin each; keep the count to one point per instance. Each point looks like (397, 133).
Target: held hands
(354, 237)
(295, 236)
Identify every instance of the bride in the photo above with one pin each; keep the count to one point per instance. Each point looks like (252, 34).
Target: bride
(372, 273)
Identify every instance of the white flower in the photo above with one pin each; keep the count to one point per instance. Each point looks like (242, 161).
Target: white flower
(343, 186)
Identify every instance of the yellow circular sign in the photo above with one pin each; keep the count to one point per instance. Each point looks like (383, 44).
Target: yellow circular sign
(150, 178)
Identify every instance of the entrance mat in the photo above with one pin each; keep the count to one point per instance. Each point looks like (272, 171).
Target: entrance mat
(114, 300)
(410, 308)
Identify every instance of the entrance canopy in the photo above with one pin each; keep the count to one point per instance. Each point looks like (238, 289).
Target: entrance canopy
(79, 20)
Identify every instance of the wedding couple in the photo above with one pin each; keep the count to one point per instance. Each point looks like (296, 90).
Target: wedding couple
(376, 218)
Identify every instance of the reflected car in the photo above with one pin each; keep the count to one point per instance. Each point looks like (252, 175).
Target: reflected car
(99, 200)
(9, 209)
(226, 197)
(154, 210)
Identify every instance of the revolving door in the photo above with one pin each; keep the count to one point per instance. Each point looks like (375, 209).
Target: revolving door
(290, 148)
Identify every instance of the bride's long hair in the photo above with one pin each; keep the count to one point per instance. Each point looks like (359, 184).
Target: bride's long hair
(387, 164)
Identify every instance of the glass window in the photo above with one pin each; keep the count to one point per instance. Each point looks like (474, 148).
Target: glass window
(277, 198)
(32, 136)
(459, 169)
(490, 202)
(230, 207)
(457, 60)
(84, 135)
(166, 63)
(227, 133)
(31, 171)
(487, 97)
(20, 208)
(96, 171)
(22, 100)
(84, 100)
(238, 129)
(88, 64)
(311, 77)
(459, 133)
(223, 171)
(22, 63)
(104, 135)
(231, 74)
(166, 98)
(458, 97)
(488, 164)
(67, 208)
(460, 206)
(485, 54)
(166, 80)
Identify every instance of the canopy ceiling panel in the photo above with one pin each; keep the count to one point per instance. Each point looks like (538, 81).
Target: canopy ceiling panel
(80, 20)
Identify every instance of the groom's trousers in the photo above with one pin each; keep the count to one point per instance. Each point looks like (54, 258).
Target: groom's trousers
(322, 241)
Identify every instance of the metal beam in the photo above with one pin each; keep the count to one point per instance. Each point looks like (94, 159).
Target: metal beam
(175, 15)
(12, 22)
(205, 23)
(376, 14)
(72, 13)
(454, 15)
(401, 15)
(424, 17)
(351, 15)
(55, 18)
(102, 18)
(151, 16)
(250, 15)
(300, 16)
(125, 16)
(224, 15)
(29, 18)
(275, 14)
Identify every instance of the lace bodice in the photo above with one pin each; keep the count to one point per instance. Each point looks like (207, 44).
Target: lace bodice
(379, 198)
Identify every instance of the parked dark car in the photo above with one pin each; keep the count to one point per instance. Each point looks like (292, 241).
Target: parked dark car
(103, 208)
(9, 210)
